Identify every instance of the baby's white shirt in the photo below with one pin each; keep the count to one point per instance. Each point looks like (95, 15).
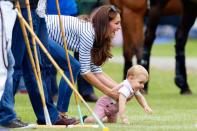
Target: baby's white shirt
(127, 89)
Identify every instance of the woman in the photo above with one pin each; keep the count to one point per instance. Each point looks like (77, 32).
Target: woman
(93, 42)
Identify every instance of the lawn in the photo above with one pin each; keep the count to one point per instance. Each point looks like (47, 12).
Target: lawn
(171, 110)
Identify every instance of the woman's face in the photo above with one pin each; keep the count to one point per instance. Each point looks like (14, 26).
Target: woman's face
(115, 25)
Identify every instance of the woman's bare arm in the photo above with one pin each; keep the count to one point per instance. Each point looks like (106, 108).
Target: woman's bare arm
(100, 83)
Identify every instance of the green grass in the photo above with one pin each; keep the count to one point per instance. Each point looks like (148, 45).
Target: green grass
(171, 111)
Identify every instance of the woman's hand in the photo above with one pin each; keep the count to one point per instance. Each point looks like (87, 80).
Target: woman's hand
(113, 94)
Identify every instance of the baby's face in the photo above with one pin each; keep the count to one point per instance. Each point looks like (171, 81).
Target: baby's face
(138, 81)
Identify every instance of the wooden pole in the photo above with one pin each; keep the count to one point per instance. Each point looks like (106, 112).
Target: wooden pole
(67, 58)
(69, 126)
(33, 41)
(64, 126)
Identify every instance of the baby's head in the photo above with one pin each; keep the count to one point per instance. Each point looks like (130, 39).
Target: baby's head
(139, 74)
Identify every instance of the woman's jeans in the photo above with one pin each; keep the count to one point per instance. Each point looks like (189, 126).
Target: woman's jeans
(84, 87)
(58, 53)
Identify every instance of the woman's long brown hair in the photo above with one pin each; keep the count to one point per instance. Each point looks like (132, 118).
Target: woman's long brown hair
(102, 44)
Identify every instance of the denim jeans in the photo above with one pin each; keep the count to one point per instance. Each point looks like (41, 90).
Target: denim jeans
(84, 87)
(54, 87)
(7, 20)
(7, 112)
(58, 53)
(23, 61)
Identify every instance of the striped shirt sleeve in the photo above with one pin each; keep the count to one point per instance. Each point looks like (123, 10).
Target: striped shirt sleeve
(79, 37)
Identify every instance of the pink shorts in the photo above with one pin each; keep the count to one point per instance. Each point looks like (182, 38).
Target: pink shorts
(106, 108)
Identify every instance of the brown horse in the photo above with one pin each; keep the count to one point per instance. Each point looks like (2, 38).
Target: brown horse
(133, 13)
(133, 42)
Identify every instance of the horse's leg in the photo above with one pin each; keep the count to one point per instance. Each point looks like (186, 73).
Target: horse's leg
(153, 19)
(187, 21)
(138, 36)
(127, 27)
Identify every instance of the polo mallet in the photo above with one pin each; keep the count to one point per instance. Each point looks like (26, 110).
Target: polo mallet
(40, 87)
(61, 71)
(35, 50)
(67, 58)
(33, 41)
(64, 126)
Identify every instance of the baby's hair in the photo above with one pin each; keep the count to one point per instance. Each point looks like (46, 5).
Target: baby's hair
(137, 69)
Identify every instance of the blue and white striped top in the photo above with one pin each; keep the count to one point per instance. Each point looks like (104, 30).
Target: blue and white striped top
(79, 37)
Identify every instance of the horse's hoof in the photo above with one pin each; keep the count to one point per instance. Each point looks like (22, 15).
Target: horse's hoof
(186, 92)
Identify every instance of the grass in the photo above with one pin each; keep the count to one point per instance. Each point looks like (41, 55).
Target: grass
(171, 111)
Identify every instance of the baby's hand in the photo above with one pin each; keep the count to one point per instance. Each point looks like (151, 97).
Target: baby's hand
(147, 109)
(125, 120)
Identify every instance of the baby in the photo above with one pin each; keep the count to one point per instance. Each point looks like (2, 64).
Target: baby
(107, 109)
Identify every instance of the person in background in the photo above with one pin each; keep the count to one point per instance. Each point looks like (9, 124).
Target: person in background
(107, 109)
(8, 117)
(67, 7)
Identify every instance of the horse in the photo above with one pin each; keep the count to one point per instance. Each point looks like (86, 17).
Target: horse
(158, 8)
(188, 11)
